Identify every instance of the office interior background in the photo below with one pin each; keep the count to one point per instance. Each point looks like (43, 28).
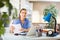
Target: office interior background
(35, 9)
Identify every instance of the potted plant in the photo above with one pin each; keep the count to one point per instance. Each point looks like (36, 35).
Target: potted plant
(2, 17)
(52, 9)
(2, 29)
(5, 19)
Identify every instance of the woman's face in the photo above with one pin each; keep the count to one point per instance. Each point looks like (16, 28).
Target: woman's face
(23, 14)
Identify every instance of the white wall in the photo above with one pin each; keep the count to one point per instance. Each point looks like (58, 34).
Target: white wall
(15, 4)
(27, 5)
(47, 0)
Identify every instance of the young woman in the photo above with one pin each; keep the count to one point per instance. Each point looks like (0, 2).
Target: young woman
(23, 21)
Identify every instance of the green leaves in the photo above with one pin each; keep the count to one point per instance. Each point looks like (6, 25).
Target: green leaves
(52, 9)
(8, 4)
(1, 22)
(5, 0)
(2, 30)
(4, 17)
(1, 4)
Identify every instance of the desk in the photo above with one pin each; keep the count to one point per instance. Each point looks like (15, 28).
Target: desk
(9, 36)
(19, 37)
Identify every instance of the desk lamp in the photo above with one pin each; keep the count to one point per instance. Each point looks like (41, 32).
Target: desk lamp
(48, 18)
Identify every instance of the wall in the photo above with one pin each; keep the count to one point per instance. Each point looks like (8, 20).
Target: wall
(39, 6)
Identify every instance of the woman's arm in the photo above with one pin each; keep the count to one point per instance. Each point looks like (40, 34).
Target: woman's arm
(24, 30)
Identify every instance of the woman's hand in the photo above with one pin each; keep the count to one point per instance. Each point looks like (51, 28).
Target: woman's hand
(24, 30)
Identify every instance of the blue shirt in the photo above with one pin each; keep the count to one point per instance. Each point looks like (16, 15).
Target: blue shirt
(26, 24)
